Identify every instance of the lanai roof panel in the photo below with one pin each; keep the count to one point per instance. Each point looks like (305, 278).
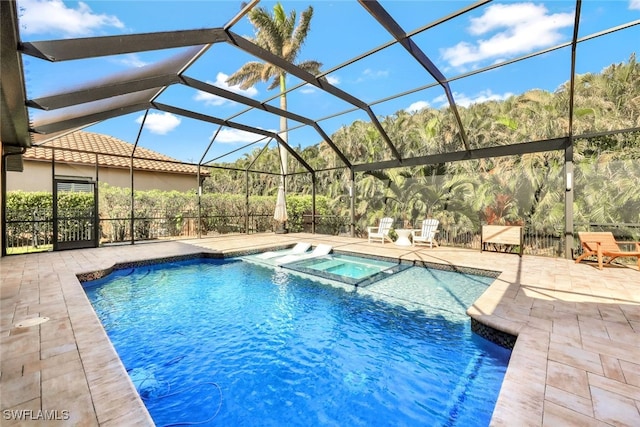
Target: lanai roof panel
(455, 46)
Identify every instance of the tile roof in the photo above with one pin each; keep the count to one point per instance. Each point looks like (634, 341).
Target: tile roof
(80, 147)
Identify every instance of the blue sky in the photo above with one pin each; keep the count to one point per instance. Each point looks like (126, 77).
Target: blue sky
(340, 30)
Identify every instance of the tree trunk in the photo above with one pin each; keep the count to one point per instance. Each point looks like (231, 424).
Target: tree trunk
(284, 169)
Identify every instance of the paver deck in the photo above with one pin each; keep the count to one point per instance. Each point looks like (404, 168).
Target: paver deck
(576, 360)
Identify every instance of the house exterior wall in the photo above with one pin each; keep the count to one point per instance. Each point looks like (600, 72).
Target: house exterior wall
(37, 176)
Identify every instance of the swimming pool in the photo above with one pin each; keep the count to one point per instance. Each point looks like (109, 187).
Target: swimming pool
(241, 344)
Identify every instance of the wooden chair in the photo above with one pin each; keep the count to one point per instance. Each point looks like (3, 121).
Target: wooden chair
(427, 234)
(603, 244)
(381, 232)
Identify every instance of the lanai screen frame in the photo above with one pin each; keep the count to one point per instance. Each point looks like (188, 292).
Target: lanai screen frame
(138, 90)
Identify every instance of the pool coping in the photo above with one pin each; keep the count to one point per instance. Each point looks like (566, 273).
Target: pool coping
(102, 273)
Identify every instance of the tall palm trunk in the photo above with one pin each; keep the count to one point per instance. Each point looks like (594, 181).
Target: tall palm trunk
(284, 168)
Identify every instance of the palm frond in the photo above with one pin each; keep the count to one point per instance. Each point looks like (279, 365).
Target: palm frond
(247, 76)
(287, 26)
(311, 67)
(268, 34)
(300, 33)
(278, 34)
(275, 82)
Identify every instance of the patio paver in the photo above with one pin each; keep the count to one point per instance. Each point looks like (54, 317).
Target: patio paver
(576, 360)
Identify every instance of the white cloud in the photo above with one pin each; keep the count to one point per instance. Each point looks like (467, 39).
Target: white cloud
(370, 74)
(221, 82)
(375, 74)
(160, 123)
(512, 29)
(634, 4)
(465, 101)
(43, 16)
(335, 80)
(417, 106)
(236, 136)
(131, 60)
(309, 88)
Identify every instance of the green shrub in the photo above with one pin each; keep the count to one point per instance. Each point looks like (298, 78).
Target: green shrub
(166, 212)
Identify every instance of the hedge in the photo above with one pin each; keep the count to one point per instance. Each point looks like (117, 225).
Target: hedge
(171, 206)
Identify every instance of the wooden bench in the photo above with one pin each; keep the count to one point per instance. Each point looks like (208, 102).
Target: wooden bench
(506, 236)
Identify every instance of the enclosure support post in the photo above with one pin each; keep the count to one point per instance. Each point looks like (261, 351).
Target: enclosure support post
(246, 201)
(568, 200)
(198, 225)
(568, 151)
(97, 169)
(133, 152)
(313, 202)
(131, 212)
(96, 208)
(54, 202)
(352, 201)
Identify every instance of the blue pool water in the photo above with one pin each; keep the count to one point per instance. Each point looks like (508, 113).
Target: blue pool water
(348, 266)
(242, 344)
(352, 270)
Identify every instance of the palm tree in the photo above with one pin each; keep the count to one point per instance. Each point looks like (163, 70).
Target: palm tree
(279, 35)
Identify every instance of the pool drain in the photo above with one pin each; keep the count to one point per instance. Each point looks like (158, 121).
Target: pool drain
(31, 322)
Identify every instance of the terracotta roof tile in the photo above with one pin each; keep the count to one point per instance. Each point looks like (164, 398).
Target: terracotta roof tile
(80, 147)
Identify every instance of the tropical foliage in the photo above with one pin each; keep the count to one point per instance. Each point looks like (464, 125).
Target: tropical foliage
(527, 189)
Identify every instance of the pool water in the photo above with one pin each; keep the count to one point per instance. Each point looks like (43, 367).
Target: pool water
(234, 343)
(348, 266)
(353, 270)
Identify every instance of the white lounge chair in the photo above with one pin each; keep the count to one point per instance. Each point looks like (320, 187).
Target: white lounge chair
(426, 235)
(320, 250)
(381, 232)
(298, 249)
